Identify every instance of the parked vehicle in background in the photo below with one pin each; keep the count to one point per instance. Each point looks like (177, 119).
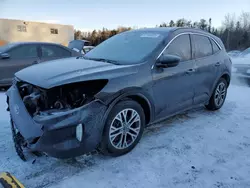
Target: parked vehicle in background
(86, 49)
(245, 53)
(242, 72)
(105, 98)
(16, 56)
(241, 66)
(234, 53)
(82, 46)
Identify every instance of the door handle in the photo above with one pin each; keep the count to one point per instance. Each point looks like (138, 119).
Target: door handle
(217, 64)
(190, 71)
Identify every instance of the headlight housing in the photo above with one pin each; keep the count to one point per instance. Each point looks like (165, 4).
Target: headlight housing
(76, 94)
(38, 100)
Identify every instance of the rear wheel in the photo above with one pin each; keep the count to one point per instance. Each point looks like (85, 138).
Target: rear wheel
(219, 95)
(123, 128)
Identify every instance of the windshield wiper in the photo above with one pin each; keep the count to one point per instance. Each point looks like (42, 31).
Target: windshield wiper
(101, 59)
(105, 60)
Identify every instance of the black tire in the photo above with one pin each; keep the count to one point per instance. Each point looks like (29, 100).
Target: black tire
(17, 139)
(212, 104)
(106, 146)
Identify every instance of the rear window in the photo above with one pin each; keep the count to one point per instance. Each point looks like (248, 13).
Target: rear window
(203, 46)
(215, 46)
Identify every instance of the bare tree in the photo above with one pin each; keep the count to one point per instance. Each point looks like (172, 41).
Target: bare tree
(229, 21)
(245, 20)
(78, 35)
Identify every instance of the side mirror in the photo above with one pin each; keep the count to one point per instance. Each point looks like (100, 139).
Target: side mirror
(168, 61)
(4, 56)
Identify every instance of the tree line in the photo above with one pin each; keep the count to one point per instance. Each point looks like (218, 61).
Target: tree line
(97, 36)
(234, 31)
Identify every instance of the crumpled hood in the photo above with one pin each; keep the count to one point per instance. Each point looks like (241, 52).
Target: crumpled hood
(69, 70)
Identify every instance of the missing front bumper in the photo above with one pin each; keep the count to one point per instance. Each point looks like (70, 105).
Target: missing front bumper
(56, 134)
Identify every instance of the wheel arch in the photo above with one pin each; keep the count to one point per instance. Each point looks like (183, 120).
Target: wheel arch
(140, 97)
(226, 76)
(145, 104)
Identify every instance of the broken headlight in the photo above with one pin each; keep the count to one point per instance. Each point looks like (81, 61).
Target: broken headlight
(73, 95)
(69, 96)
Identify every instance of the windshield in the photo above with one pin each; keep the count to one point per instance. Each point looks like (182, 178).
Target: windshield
(127, 47)
(5, 47)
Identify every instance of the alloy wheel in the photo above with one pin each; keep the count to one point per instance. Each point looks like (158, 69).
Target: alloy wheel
(125, 128)
(220, 94)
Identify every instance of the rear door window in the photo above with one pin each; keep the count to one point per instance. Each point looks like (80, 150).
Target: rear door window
(54, 51)
(215, 46)
(202, 45)
(181, 47)
(24, 51)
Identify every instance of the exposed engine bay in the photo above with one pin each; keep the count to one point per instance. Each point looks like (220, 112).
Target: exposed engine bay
(39, 101)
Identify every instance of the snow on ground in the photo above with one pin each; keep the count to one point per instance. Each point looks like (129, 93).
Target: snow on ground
(196, 149)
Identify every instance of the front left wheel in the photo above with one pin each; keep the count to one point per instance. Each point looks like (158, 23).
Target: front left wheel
(18, 141)
(123, 129)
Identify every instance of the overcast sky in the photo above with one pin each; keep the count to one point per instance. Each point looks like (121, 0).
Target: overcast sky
(96, 14)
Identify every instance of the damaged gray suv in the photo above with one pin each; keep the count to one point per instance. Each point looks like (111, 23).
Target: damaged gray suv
(103, 100)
